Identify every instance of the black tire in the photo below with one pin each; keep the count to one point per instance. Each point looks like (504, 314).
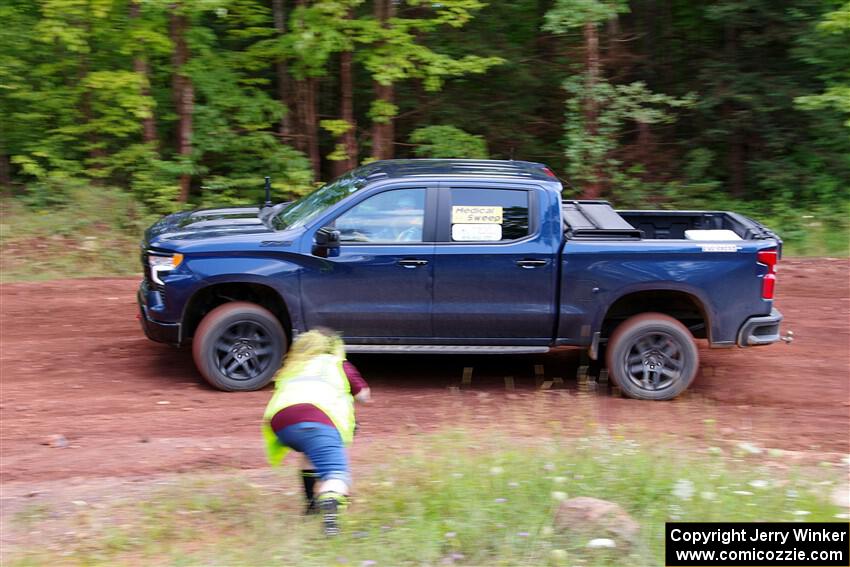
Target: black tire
(239, 346)
(652, 357)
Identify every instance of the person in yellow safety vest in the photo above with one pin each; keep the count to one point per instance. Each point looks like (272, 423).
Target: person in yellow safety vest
(312, 412)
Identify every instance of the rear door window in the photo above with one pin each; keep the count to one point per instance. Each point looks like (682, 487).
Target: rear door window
(488, 215)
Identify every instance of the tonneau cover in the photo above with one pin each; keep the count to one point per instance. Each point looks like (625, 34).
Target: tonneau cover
(596, 219)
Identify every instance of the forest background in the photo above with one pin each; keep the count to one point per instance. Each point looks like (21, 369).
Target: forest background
(113, 112)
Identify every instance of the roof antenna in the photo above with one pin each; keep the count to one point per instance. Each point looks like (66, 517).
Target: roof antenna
(268, 192)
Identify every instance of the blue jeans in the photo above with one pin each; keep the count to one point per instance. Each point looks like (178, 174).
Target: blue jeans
(322, 444)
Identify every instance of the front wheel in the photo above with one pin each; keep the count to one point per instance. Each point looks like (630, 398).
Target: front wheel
(239, 346)
(652, 357)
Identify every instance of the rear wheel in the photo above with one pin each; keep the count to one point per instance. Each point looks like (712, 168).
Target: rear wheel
(652, 357)
(239, 346)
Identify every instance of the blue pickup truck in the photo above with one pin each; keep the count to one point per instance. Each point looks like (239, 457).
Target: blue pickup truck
(459, 256)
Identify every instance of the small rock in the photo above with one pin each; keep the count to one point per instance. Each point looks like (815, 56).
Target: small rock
(684, 489)
(601, 542)
(163, 403)
(58, 441)
(79, 503)
(750, 448)
(594, 515)
(841, 497)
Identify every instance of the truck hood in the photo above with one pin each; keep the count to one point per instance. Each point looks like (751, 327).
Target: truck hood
(208, 223)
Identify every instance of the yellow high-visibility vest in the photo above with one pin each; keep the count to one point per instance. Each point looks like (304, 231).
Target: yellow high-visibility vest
(321, 382)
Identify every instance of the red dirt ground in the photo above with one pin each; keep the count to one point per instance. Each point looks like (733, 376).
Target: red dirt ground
(75, 363)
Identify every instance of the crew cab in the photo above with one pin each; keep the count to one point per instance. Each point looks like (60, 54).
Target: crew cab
(459, 256)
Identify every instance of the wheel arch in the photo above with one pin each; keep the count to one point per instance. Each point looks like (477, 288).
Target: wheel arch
(208, 298)
(681, 305)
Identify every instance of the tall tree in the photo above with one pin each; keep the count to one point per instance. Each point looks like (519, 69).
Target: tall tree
(384, 108)
(141, 67)
(587, 15)
(346, 81)
(398, 50)
(183, 92)
(279, 11)
(306, 91)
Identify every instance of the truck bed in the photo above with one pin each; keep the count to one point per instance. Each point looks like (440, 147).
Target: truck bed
(597, 220)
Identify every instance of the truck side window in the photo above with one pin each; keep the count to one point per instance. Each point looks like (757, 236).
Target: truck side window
(391, 216)
(495, 215)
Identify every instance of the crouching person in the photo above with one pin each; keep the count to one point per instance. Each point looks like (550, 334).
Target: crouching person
(312, 412)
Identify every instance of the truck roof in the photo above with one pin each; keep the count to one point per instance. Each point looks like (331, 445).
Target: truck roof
(396, 168)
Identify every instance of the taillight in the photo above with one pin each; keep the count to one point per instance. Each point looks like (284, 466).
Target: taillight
(768, 258)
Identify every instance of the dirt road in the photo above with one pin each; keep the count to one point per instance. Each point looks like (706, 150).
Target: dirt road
(75, 364)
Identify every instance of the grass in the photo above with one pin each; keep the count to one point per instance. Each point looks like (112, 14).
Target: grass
(95, 233)
(451, 499)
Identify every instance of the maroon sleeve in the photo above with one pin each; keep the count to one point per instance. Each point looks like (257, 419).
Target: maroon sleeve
(355, 380)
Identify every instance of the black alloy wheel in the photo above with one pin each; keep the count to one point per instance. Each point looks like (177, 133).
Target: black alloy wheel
(652, 357)
(239, 346)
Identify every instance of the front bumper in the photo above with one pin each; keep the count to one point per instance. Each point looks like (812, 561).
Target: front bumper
(155, 330)
(761, 330)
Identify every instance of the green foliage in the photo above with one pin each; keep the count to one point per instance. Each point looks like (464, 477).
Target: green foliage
(590, 156)
(80, 81)
(382, 111)
(836, 27)
(395, 52)
(566, 15)
(448, 142)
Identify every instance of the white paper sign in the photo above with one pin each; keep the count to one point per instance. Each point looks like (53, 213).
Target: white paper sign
(466, 232)
(476, 215)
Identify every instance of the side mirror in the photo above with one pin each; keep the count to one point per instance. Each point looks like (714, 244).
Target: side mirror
(327, 238)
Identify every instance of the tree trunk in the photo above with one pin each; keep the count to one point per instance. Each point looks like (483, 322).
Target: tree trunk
(307, 140)
(184, 94)
(383, 133)
(5, 171)
(346, 111)
(593, 189)
(735, 142)
(279, 12)
(96, 153)
(140, 66)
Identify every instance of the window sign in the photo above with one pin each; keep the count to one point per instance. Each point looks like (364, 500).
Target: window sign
(471, 232)
(476, 215)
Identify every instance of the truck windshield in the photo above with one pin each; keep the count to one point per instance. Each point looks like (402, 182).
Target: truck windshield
(310, 206)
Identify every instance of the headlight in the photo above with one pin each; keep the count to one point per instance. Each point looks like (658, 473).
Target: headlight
(160, 263)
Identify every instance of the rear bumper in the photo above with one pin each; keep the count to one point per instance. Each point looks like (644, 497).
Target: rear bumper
(762, 330)
(155, 330)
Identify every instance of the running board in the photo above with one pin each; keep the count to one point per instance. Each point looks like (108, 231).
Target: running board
(444, 349)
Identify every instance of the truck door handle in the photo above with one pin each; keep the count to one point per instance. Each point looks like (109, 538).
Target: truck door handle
(409, 263)
(528, 264)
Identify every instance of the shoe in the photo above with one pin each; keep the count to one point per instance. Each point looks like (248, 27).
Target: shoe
(329, 507)
(312, 508)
